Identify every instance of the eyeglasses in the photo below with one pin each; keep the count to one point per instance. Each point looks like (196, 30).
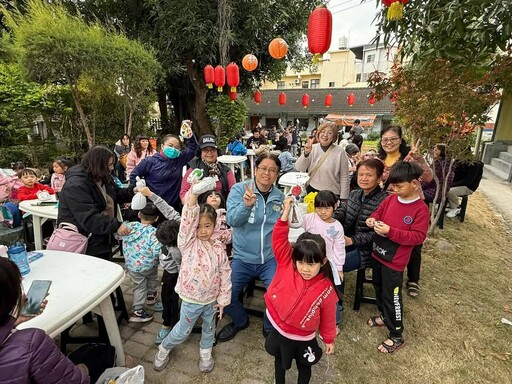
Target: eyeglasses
(390, 140)
(272, 171)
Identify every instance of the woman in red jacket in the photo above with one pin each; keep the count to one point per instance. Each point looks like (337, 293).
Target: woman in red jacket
(301, 299)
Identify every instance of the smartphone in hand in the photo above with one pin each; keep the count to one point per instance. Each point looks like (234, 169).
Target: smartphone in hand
(35, 296)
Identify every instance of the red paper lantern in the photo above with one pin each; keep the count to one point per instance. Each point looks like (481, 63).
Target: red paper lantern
(305, 100)
(257, 97)
(372, 99)
(209, 76)
(278, 48)
(249, 62)
(282, 98)
(351, 98)
(220, 77)
(319, 32)
(232, 96)
(233, 76)
(393, 97)
(328, 100)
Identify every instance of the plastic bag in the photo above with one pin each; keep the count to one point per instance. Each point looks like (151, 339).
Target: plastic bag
(134, 375)
(295, 217)
(139, 201)
(186, 129)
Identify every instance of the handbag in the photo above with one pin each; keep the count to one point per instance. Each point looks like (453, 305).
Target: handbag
(97, 358)
(67, 238)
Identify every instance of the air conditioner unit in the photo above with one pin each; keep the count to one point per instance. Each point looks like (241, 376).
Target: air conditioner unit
(296, 81)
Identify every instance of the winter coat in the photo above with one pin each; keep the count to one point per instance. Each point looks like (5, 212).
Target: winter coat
(132, 160)
(140, 247)
(163, 175)
(82, 203)
(205, 274)
(252, 226)
(236, 148)
(352, 215)
(299, 306)
(31, 356)
(25, 193)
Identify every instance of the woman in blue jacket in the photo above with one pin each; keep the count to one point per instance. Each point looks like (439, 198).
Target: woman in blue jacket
(163, 171)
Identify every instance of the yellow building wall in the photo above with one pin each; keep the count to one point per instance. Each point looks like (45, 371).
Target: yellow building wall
(340, 69)
(504, 126)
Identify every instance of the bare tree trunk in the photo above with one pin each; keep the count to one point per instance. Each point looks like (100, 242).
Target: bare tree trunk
(164, 113)
(199, 117)
(435, 213)
(130, 121)
(76, 98)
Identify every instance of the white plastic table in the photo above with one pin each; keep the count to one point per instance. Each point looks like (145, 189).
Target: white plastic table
(291, 179)
(80, 284)
(39, 215)
(251, 155)
(231, 160)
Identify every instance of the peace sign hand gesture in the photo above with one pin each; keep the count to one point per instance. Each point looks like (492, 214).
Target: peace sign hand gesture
(249, 195)
(415, 150)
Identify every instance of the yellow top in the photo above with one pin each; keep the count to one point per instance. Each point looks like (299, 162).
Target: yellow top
(391, 159)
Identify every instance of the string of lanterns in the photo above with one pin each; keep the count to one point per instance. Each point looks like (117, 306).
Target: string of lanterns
(328, 100)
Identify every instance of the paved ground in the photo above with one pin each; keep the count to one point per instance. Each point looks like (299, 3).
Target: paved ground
(243, 360)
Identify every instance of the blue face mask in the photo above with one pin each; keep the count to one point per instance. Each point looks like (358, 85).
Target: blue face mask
(171, 152)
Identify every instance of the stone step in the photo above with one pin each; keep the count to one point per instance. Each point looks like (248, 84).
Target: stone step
(496, 172)
(502, 165)
(506, 156)
(509, 148)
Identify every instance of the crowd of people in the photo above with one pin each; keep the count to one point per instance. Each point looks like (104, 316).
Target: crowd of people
(369, 211)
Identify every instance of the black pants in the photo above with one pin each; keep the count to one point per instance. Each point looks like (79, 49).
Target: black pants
(414, 265)
(280, 373)
(388, 290)
(170, 299)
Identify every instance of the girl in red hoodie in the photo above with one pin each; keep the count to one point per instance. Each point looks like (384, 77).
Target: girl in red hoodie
(301, 299)
(31, 187)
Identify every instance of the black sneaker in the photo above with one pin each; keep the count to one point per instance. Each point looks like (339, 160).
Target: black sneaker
(140, 316)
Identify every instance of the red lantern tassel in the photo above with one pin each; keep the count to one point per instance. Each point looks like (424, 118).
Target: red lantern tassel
(395, 11)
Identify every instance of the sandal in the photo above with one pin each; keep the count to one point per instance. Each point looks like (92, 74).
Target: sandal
(372, 322)
(413, 289)
(397, 343)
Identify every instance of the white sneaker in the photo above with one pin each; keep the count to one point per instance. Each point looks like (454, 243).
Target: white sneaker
(205, 185)
(161, 358)
(453, 212)
(206, 361)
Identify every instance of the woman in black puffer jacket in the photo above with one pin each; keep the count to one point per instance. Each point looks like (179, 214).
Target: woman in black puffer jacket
(353, 213)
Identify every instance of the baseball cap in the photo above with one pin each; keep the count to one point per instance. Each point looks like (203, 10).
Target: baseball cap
(206, 141)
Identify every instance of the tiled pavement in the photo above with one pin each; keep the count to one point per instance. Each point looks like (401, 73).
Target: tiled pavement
(242, 360)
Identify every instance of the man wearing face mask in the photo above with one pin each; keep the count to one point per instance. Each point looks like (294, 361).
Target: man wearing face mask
(163, 171)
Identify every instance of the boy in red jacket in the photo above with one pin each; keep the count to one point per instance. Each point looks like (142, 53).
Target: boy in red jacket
(300, 300)
(400, 223)
(30, 187)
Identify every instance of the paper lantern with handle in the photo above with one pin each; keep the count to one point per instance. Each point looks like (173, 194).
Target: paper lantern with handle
(249, 62)
(328, 100)
(278, 48)
(233, 76)
(351, 99)
(209, 76)
(305, 100)
(257, 97)
(319, 32)
(232, 96)
(220, 77)
(282, 98)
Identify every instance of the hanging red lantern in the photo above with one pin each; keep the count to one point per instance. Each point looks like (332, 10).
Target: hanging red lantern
(232, 96)
(305, 100)
(257, 97)
(249, 62)
(220, 77)
(393, 97)
(328, 100)
(278, 48)
(209, 76)
(319, 32)
(395, 9)
(233, 76)
(282, 98)
(372, 99)
(351, 99)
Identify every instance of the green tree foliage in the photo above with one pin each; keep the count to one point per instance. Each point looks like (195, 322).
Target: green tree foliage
(55, 47)
(227, 118)
(186, 33)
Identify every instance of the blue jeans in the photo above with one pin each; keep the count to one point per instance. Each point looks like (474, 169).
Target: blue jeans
(352, 260)
(189, 313)
(241, 274)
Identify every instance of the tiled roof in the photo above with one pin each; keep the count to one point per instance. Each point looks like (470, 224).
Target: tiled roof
(269, 105)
